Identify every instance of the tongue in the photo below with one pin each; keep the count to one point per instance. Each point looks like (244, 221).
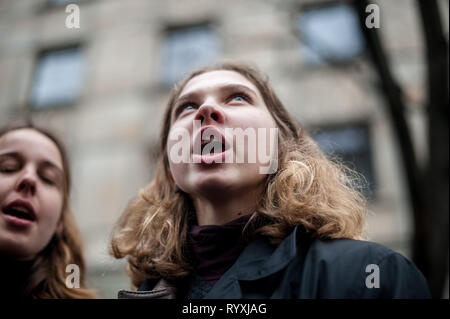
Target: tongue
(213, 146)
(18, 214)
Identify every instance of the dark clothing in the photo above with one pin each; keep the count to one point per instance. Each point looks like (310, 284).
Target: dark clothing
(215, 248)
(15, 276)
(195, 288)
(302, 267)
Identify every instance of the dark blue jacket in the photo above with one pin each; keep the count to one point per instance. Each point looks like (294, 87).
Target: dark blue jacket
(302, 267)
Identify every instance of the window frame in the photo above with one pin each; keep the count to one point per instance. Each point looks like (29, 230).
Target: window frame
(40, 53)
(208, 24)
(303, 45)
(371, 184)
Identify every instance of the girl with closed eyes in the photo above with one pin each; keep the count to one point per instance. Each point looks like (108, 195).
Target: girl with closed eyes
(211, 225)
(38, 235)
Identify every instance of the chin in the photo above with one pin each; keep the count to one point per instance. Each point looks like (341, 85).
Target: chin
(15, 250)
(212, 183)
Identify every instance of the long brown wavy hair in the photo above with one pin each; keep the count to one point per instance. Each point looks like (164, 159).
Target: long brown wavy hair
(47, 275)
(307, 189)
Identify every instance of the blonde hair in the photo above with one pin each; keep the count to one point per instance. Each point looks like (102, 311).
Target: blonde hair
(47, 277)
(307, 189)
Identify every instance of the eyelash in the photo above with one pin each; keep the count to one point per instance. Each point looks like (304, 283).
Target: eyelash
(181, 108)
(47, 181)
(8, 168)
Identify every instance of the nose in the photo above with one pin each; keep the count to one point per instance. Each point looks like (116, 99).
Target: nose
(209, 113)
(27, 183)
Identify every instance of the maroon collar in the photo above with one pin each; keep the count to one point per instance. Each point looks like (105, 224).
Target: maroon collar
(215, 248)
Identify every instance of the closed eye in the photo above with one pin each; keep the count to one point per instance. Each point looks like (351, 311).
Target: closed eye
(48, 181)
(8, 169)
(51, 176)
(9, 165)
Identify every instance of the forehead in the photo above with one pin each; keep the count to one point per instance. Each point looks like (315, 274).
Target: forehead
(32, 144)
(216, 79)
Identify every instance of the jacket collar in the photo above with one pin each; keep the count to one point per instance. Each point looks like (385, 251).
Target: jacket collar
(258, 260)
(261, 258)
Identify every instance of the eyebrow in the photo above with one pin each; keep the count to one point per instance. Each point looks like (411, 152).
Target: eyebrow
(228, 88)
(46, 163)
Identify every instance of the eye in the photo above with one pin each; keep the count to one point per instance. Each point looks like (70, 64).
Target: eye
(7, 169)
(239, 97)
(9, 166)
(47, 180)
(185, 107)
(188, 107)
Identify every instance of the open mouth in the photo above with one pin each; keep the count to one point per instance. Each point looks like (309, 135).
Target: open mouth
(212, 145)
(20, 211)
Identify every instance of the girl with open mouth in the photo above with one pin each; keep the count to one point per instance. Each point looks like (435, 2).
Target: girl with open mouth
(38, 235)
(216, 229)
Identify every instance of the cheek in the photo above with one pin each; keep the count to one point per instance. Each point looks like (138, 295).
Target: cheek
(50, 209)
(6, 185)
(178, 148)
(52, 204)
(254, 118)
(3, 190)
(179, 172)
(260, 123)
(265, 120)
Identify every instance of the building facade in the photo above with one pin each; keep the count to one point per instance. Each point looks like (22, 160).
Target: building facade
(103, 88)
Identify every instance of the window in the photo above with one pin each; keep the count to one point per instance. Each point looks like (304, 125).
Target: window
(351, 144)
(58, 78)
(330, 34)
(186, 49)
